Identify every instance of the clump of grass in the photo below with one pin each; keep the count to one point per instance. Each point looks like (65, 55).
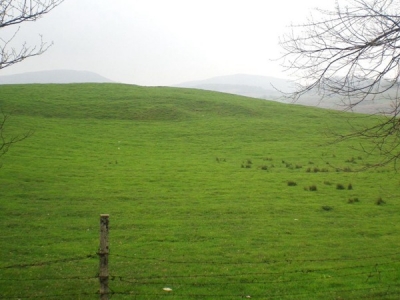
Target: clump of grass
(298, 166)
(316, 170)
(291, 183)
(380, 201)
(350, 186)
(351, 160)
(353, 200)
(247, 164)
(327, 183)
(267, 158)
(346, 169)
(264, 167)
(340, 186)
(312, 188)
(327, 208)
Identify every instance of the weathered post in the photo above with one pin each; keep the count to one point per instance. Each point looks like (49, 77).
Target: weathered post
(103, 255)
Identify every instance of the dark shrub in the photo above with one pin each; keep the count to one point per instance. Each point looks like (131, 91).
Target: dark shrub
(312, 188)
(353, 200)
(340, 186)
(327, 208)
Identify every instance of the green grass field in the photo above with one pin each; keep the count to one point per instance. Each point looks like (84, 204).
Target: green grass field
(213, 195)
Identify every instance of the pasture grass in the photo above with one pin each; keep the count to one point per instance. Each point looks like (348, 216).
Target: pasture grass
(167, 165)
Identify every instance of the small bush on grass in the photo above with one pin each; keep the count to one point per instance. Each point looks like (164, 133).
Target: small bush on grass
(247, 164)
(312, 188)
(327, 208)
(340, 186)
(352, 200)
(350, 186)
(291, 183)
(351, 160)
(379, 201)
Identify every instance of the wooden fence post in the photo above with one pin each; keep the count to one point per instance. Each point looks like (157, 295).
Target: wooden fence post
(103, 255)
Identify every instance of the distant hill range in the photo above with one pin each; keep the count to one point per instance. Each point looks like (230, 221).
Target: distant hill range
(264, 87)
(271, 88)
(53, 76)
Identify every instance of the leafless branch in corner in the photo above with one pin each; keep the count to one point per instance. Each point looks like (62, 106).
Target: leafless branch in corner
(352, 53)
(7, 142)
(15, 12)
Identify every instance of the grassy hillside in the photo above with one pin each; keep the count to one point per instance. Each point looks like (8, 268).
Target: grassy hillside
(213, 195)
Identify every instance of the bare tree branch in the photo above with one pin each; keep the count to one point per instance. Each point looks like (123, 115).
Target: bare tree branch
(352, 52)
(6, 143)
(15, 12)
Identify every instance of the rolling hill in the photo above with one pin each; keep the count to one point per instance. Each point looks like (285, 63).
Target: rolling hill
(210, 196)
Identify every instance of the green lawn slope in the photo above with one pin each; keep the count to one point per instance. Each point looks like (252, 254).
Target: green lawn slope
(214, 196)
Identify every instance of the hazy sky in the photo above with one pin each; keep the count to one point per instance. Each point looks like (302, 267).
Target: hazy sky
(163, 42)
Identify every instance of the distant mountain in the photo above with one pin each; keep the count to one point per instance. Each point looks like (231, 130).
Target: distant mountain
(53, 76)
(264, 87)
(271, 88)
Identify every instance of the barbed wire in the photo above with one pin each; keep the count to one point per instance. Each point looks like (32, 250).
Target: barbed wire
(50, 278)
(373, 266)
(363, 272)
(50, 262)
(56, 296)
(368, 274)
(264, 261)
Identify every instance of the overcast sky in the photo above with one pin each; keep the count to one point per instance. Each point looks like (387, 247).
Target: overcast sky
(163, 42)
